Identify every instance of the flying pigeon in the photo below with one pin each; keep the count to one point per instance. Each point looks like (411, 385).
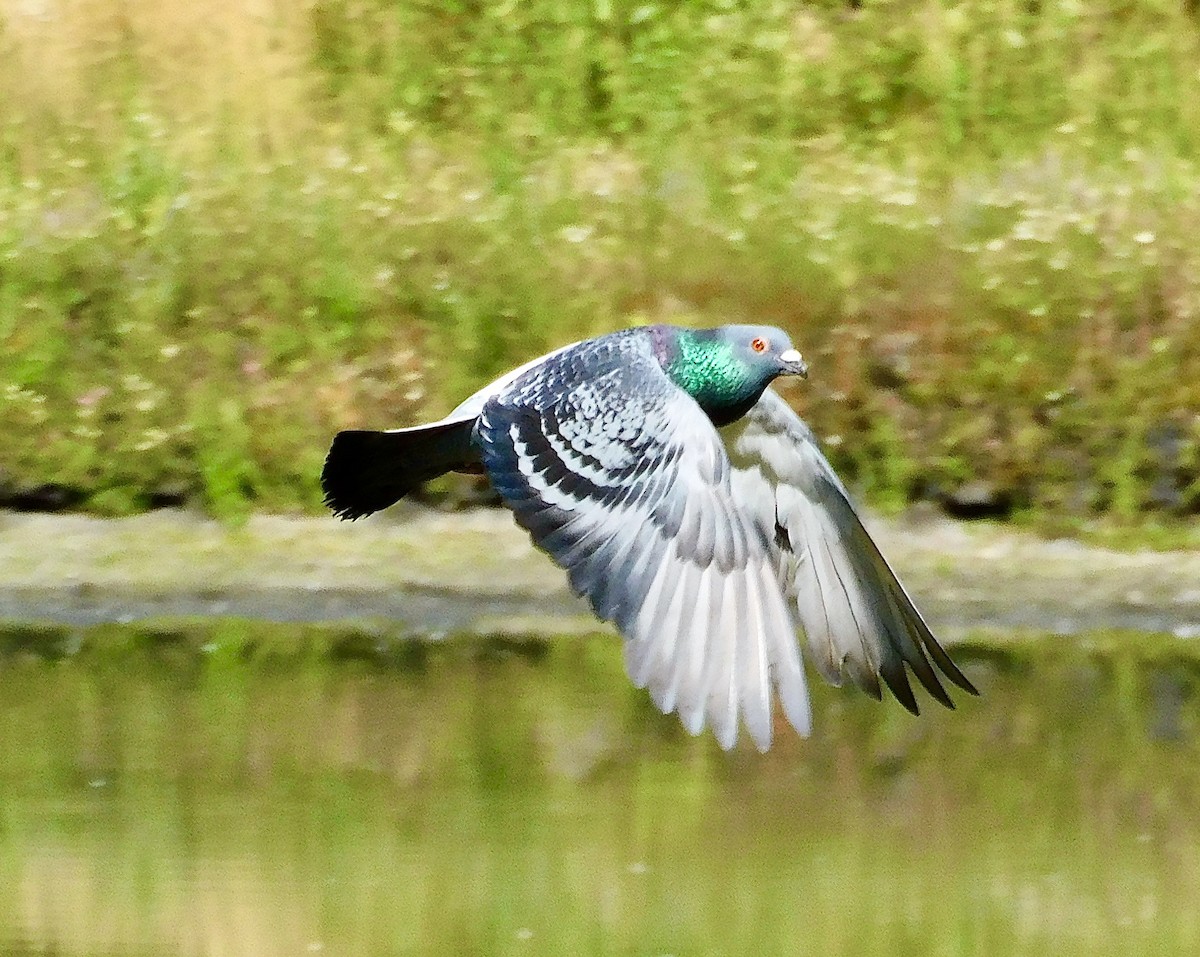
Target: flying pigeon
(690, 506)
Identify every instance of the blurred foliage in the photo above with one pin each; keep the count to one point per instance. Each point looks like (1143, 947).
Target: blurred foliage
(225, 234)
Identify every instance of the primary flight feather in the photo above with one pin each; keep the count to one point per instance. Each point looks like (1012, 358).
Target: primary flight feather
(692, 508)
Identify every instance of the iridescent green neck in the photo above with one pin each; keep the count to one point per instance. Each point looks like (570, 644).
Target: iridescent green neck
(707, 370)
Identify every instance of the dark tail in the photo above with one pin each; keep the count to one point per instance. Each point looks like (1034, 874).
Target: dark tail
(366, 471)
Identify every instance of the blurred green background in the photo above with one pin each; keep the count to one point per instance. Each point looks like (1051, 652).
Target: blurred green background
(228, 230)
(245, 790)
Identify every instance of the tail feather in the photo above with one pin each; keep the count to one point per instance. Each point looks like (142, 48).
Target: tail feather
(367, 471)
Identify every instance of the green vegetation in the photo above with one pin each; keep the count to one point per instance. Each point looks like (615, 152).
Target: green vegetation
(226, 233)
(174, 793)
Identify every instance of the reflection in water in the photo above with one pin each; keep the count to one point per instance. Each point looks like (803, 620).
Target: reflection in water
(255, 790)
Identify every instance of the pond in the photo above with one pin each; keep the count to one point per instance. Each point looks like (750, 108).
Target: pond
(231, 788)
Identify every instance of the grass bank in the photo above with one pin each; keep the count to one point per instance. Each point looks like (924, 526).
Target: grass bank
(227, 231)
(485, 576)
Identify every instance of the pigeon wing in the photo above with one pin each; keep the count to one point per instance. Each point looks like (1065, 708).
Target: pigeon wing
(859, 619)
(622, 479)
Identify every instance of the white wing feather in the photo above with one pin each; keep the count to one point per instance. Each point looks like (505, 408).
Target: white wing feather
(859, 620)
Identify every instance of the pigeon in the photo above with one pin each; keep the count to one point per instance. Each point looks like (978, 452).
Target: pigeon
(691, 507)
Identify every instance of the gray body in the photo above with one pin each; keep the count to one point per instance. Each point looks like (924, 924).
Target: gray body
(712, 549)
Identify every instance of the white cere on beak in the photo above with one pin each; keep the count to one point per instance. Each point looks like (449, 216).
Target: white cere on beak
(794, 363)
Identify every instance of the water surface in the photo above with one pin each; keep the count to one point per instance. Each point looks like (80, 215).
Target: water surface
(238, 789)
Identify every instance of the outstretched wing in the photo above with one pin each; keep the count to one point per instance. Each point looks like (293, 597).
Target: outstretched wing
(622, 479)
(858, 618)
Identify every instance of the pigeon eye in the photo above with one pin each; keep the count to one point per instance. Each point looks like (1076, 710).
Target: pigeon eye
(759, 344)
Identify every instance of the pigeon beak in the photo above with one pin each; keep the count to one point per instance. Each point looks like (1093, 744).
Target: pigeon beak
(793, 363)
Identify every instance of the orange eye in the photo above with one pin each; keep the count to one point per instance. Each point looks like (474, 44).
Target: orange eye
(759, 344)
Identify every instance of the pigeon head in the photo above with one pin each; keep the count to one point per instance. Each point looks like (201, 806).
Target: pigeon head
(726, 369)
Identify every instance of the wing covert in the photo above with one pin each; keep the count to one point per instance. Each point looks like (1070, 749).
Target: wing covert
(621, 478)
